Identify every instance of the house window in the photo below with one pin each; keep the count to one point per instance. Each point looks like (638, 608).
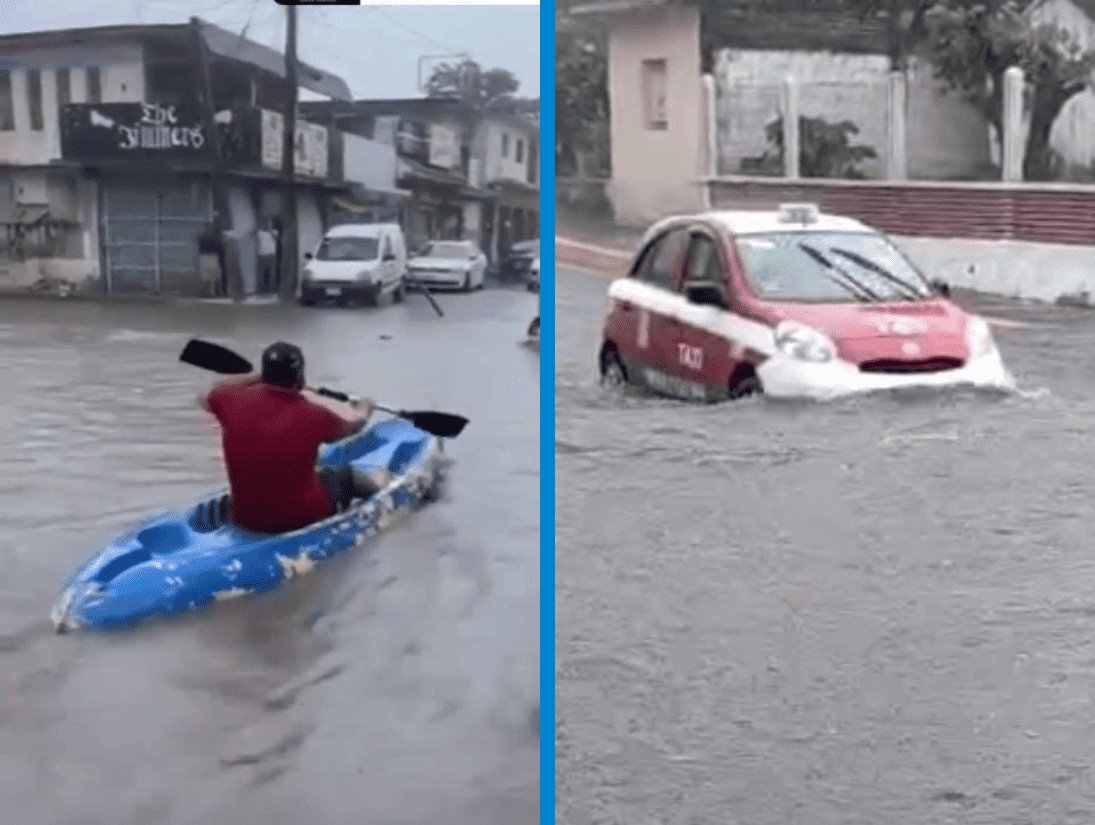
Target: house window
(519, 150)
(505, 144)
(653, 89)
(7, 105)
(64, 87)
(34, 99)
(94, 85)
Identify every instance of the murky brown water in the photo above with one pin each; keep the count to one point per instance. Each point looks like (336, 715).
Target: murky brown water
(395, 685)
(876, 611)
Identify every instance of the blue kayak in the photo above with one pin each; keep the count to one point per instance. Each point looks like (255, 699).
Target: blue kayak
(184, 560)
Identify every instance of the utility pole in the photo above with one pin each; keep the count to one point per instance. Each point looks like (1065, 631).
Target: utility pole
(218, 183)
(290, 242)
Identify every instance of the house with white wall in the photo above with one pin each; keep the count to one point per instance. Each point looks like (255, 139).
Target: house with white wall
(467, 174)
(106, 158)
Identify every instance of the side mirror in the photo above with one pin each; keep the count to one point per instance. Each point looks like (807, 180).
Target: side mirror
(307, 256)
(706, 293)
(390, 256)
(940, 287)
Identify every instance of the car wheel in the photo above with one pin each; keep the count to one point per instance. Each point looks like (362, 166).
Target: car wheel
(306, 301)
(397, 296)
(743, 386)
(534, 328)
(613, 374)
(467, 283)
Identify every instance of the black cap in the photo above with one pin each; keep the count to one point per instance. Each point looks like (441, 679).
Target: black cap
(283, 365)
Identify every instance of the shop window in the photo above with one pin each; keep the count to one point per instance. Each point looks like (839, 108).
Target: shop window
(505, 144)
(94, 85)
(64, 87)
(520, 151)
(654, 94)
(34, 99)
(7, 105)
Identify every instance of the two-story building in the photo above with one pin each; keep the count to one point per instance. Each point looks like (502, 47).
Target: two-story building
(107, 161)
(507, 147)
(468, 174)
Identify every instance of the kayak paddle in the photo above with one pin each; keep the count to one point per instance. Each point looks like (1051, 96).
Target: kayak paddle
(443, 425)
(425, 291)
(215, 358)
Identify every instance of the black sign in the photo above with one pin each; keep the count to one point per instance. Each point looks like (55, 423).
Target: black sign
(133, 131)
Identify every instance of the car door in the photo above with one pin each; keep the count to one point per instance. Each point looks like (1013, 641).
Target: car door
(643, 304)
(703, 357)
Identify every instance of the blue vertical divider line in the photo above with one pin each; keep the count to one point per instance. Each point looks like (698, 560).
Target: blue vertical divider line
(547, 412)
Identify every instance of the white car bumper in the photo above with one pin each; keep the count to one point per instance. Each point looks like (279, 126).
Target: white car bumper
(438, 278)
(784, 377)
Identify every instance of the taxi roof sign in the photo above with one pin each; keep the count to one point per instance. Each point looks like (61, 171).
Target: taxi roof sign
(804, 213)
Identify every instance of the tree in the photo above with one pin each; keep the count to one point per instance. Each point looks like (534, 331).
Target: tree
(467, 81)
(825, 150)
(581, 96)
(972, 43)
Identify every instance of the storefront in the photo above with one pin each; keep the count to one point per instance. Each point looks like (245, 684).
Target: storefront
(516, 215)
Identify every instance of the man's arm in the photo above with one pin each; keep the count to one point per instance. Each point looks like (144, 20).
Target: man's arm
(230, 381)
(346, 420)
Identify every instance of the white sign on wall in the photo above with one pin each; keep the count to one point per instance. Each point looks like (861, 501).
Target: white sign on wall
(444, 147)
(311, 142)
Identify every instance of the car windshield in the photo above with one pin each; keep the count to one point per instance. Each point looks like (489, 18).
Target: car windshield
(447, 250)
(829, 267)
(348, 249)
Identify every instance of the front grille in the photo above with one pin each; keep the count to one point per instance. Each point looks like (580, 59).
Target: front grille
(895, 365)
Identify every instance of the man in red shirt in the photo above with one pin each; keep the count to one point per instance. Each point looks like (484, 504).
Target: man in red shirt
(272, 429)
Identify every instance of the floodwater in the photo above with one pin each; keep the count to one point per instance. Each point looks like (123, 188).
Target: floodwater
(397, 685)
(871, 611)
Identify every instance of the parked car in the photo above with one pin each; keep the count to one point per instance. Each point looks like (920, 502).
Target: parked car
(356, 262)
(449, 264)
(519, 259)
(793, 303)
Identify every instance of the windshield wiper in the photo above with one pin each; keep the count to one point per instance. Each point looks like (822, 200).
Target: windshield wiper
(859, 260)
(856, 288)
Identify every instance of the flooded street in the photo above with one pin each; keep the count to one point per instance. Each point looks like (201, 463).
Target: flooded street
(397, 685)
(878, 610)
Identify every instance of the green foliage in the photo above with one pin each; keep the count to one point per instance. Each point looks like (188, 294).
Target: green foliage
(581, 97)
(468, 81)
(825, 150)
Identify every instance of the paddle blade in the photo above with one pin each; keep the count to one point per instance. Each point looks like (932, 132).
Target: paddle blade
(215, 358)
(443, 425)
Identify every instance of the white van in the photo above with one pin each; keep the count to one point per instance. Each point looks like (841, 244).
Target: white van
(356, 262)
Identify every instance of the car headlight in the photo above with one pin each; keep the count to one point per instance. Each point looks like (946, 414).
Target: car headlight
(804, 343)
(979, 338)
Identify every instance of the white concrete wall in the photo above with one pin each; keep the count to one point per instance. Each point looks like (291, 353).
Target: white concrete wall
(496, 167)
(1024, 270)
(946, 138)
(369, 162)
(121, 83)
(656, 171)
